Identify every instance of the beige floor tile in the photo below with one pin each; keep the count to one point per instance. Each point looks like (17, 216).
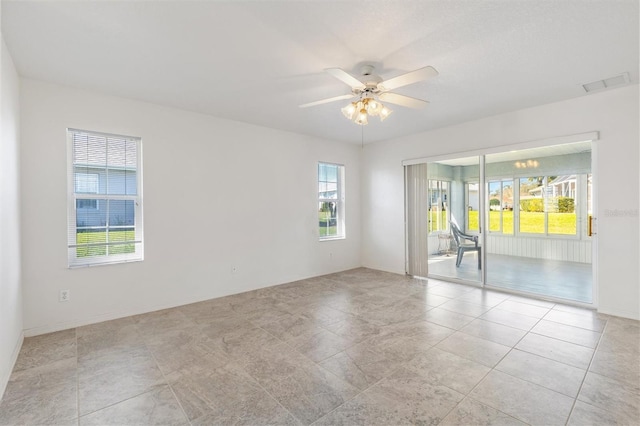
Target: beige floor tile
(363, 410)
(157, 407)
(530, 301)
(321, 345)
(242, 343)
(413, 399)
(354, 330)
(430, 299)
(305, 389)
(527, 309)
(494, 332)
(107, 336)
(557, 350)
(621, 366)
(25, 383)
(293, 326)
(407, 309)
(621, 336)
(55, 405)
(323, 314)
(447, 318)
(443, 368)
(471, 412)
(465, 308)
(523, 400)
(611, 395)
(568, 333)
(428, 332)
(587, 319)
(585, 414)
(510, 319)
(46, 348)
(360, 370)
(545, 372)
(114, 377)
(450, 291)
(473, 348)
(221, 395)
(483, 297)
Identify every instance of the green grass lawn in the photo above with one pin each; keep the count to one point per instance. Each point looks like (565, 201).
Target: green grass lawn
(530, 222)
(326, 231)
(101, 237)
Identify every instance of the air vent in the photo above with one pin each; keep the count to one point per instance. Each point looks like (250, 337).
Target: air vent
(607, 83)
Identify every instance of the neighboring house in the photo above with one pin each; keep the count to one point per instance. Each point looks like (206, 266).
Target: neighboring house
(562, 186)
(94, 212)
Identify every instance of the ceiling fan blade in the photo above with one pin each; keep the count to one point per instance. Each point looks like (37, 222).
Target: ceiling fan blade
(402, 100)
(326, 101)
(345, 77)
(408, 78)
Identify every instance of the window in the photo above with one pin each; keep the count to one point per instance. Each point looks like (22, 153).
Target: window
(472, 198)
(501, 206)
(105, 202)
(438, 205)
(331, 200)
(548, 205)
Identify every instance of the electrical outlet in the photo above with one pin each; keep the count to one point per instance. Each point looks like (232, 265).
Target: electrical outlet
(65, 295)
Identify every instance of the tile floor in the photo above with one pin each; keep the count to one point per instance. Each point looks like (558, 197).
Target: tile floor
(357, 347)
(557, 279)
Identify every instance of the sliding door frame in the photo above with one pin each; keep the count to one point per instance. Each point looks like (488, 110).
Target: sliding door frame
(593, 137)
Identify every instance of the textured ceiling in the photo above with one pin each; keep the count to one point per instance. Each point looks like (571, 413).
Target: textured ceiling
(257, 61)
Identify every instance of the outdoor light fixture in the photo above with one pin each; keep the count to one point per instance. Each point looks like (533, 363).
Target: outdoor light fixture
(359, 111)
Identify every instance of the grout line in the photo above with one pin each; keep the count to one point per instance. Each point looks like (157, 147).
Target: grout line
(587, 371)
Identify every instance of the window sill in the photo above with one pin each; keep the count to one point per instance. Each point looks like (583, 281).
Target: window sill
(94, 264)
(332, 238)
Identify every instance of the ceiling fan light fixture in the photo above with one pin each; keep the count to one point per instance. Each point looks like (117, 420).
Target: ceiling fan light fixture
(373, 107)
(349, 111)
(385, 112)
(371, 89)
(362, 118)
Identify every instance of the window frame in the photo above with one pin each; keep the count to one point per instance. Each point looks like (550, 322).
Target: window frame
(502, 181)
(72, 197)
(97, 190)
(436, 189)
(339, 200)
(581, 206)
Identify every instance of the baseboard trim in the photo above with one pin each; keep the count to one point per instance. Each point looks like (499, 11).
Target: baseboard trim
(79, 322)
(65, 325)
(619, 313)
(6, 374)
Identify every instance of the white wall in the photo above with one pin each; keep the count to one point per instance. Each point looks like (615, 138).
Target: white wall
(10, 288)
(613, 113)
(218, 194)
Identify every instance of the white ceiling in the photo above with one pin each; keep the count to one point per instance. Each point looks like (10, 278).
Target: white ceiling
(256, 61)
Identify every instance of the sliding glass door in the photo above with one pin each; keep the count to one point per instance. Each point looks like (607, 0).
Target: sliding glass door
(454, 214)
(516, 220)
(538, 212)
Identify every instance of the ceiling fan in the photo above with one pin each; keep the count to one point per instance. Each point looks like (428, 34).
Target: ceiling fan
(370, 91)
